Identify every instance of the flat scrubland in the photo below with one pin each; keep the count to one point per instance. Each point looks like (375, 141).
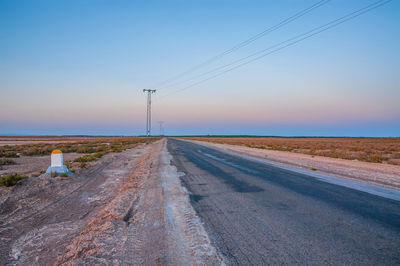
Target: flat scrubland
(19, 140)
(30, 156)
(376, 150)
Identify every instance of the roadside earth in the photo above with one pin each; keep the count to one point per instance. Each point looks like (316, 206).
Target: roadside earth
(373, 173)
(129, 208)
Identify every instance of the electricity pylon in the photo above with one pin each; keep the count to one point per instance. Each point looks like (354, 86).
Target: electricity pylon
(148, 126)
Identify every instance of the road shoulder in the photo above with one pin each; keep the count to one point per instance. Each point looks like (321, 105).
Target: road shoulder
(188, 241)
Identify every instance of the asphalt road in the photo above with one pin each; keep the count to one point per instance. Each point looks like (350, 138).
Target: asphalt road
(257, 214)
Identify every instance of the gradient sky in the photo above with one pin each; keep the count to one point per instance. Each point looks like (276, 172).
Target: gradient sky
(79, 67)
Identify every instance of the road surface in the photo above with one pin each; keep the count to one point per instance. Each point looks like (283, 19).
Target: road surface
(257, 214)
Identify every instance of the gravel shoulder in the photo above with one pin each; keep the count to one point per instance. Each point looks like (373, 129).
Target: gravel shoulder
(384, 175)
(186, 234)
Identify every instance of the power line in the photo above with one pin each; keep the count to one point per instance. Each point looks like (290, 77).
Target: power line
(244, 43)
(287, 43)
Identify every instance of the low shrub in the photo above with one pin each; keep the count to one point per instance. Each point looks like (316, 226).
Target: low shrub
(53, 174)
(89, 158)
(7, 153)
(85, 149)
(11, 180)
(63, 175)
(67, 164)
(375, 159)
(116, 149)
(5, 161)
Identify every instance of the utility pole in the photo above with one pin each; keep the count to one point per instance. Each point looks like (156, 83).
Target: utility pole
(161, 128)
(148, 126)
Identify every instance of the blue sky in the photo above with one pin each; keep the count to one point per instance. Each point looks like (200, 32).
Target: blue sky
(79, 67)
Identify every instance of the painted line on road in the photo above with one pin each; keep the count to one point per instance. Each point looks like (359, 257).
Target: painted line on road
(245, 169)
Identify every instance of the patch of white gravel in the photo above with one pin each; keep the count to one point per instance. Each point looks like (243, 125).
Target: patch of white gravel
(37, 243)
(190, 244)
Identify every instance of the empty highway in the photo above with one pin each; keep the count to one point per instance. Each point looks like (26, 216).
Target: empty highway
(257, 214)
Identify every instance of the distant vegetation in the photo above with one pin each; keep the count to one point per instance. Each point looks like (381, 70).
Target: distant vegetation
(376, 150)
(95, 145)
(93, 148)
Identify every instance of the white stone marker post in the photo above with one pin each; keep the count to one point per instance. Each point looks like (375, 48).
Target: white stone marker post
(57, 163)
(56, 158)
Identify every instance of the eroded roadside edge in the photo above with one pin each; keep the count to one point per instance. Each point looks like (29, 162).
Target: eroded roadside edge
(186, 234)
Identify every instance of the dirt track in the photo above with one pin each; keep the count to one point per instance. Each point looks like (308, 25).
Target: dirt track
(129, 208)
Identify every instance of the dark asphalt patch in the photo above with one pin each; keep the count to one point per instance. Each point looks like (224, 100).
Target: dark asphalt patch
(195, 198)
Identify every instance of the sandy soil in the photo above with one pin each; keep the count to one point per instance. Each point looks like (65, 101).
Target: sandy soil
(26, 165)
(127, 209)
(373, 173)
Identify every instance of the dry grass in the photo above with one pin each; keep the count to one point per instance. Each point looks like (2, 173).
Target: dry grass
(93, 145)
(46, 138)
(5, 161)
(11, 180)
(377, 150)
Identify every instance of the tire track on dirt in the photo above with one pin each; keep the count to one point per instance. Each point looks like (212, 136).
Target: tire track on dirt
(52, 205)
(149, 222)
(97, 242)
